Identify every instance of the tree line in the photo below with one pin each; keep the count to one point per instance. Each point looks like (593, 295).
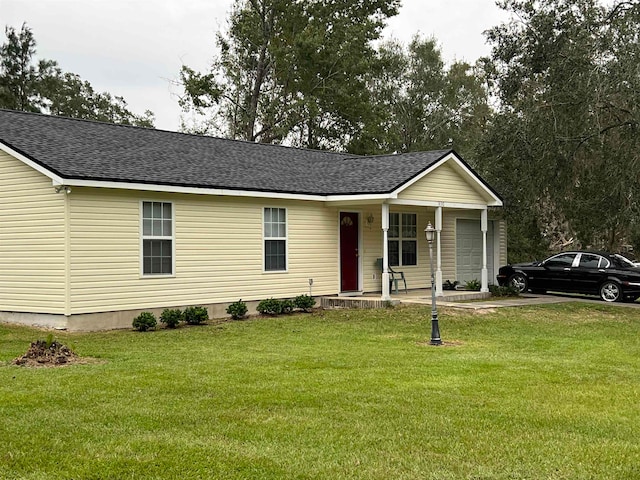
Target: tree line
(32, 85)
(549, 118)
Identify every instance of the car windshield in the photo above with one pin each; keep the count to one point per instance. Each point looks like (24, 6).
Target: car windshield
(624, 260)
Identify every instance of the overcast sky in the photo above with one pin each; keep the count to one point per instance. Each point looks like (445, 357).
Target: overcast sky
(134, 48)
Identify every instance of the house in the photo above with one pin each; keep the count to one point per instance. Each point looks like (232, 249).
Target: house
(99, 222)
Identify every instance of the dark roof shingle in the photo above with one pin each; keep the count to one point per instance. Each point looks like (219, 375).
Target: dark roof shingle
(87, 150)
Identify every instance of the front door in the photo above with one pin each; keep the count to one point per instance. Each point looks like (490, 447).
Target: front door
(348, 251)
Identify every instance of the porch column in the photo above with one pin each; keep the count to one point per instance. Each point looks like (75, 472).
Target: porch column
(438, 219)
(385, 252)
(484, 286)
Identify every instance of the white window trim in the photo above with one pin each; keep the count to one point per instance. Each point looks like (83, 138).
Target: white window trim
(400, 238)
(286, 241)
(172, 238)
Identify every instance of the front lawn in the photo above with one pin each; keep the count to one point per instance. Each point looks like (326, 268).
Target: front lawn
(550, 392)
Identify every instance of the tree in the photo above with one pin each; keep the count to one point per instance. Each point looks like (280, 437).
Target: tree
(421, 104)
(44, 87)
(291, 70)
(564, 145)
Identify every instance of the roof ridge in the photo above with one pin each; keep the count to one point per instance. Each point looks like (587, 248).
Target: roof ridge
(196, 135)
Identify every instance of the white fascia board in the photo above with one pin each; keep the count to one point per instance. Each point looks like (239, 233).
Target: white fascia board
(451, 157)
(360, 197)
(190, 190)
(433, 203)
(57, 180)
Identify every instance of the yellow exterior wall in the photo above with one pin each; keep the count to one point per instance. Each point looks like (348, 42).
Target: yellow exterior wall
(444, 184)
(417, 276)
(218, 251)
(32, 240)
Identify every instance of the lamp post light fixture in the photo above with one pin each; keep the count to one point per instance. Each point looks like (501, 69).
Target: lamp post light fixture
(430, 233)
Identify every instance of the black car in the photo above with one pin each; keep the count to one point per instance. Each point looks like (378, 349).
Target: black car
(611, 276)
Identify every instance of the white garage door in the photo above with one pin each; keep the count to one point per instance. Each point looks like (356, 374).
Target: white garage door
(469, 251)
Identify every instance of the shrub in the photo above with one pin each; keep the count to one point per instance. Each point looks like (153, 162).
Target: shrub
(271, 306)
(237, 310)
(472, 285)
(172, 317)
(145, 321)
(304, 302)
(287, 306)
(503, 291)
(195, 315)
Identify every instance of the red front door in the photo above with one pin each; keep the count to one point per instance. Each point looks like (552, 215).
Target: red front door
(348, 251)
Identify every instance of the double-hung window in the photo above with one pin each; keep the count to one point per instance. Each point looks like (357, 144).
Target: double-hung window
(403, 239)
(157, 238)
(275, 239)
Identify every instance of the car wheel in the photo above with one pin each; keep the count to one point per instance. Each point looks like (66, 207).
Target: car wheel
(519, 282)
(611, 291)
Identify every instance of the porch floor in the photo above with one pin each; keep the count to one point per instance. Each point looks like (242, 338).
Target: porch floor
(417, 296)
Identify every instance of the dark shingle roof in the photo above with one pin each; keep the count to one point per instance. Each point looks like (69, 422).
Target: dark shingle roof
(87, 150)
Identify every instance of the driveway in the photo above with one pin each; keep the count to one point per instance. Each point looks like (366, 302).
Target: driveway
(532, 299)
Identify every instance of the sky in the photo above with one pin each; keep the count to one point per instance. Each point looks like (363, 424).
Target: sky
(135, 48)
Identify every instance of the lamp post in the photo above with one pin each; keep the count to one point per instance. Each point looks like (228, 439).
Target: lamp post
(435, 330)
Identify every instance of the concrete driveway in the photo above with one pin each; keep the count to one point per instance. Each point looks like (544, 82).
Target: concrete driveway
(533, 299)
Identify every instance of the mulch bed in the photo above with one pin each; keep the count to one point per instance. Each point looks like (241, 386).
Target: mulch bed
(49, 354)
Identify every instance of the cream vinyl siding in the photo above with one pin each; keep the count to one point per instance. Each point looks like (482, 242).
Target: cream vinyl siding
(501, 237)
(32, 240)
(444, 184)
(218, 251)
(417, 276)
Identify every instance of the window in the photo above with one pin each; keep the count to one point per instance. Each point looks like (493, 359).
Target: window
(275, 239)
(562, 260)
(590, 261)
(157, 238)
(403, 243)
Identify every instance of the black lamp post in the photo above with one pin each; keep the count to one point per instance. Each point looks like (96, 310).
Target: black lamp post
(430, 233)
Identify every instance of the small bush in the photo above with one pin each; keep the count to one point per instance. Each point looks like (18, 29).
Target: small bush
(145, 321)
(304, 302)
(172, 317)
(237, 310)
(473, 285)
(503, 291)
(287, 306)
(195, 315)
(271, 306)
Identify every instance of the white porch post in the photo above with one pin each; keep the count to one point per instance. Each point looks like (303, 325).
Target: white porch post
(438, 219)
(485, 275)
(385, 252)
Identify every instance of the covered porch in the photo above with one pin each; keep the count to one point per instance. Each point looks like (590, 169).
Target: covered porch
(381, 232)
(378, 239)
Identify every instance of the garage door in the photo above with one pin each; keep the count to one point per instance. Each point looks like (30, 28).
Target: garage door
(469, 251)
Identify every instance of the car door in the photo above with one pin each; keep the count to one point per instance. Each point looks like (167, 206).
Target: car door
(557, 272)
(589, 273)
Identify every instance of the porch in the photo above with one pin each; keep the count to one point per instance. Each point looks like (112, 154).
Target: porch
(415, 296)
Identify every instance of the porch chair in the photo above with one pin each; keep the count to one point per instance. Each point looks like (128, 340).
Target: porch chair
(394, 277)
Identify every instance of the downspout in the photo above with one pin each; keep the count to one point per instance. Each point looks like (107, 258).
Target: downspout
(67, 254)
(66, 191)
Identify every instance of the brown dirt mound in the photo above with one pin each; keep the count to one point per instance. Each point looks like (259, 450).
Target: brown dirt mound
(42, 353)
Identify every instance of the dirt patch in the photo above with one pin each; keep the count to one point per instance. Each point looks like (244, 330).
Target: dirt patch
(50, 354)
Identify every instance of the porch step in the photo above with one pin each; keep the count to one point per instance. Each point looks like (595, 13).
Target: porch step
(355, 302)
(460, 296)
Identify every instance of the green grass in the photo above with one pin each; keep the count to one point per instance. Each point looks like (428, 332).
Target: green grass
(547, 392)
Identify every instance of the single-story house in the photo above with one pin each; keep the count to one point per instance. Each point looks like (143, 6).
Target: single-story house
(99, 222)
